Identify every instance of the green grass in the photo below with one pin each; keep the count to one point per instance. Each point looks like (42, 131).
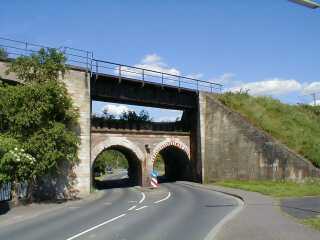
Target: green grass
(276, 188)
(312, 222)
(297, 126)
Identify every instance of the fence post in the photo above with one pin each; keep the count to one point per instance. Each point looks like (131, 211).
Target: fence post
(120, 74)
(142, 77)
(26, 49)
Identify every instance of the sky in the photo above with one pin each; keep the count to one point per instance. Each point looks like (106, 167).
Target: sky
(270, 47)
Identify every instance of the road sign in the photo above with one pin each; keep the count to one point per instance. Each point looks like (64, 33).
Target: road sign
(154, 180)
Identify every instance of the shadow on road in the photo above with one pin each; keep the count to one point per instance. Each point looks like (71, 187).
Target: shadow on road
(4, 207)
(116, 183)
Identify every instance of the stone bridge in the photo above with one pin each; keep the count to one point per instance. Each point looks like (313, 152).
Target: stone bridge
(141, 149)
(220, 143)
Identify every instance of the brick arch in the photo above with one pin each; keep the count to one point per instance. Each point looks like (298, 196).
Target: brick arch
(116, 142)
(170, 142)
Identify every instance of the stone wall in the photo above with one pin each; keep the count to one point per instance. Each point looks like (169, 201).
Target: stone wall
(231, 148)
(78, 84)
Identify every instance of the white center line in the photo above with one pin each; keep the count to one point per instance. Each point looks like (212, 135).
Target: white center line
(143, 197)
(164, 199)
(133, 207)
(141, 208)
(95, 227)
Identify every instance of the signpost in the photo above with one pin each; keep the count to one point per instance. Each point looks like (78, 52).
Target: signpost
(154, 180)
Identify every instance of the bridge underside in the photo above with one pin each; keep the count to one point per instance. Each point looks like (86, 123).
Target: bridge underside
(129, 91)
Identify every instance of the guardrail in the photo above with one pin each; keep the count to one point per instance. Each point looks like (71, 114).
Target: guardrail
(85, 59)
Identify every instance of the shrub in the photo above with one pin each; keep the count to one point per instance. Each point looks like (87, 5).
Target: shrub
(3, 54)
(37, 120)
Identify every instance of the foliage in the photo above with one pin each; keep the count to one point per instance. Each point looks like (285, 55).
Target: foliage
(43, 66)
(37, 119)
(132, 116)
(313, 222)
(6, 145)
(110, 158)
(26, 108)
(3, 54)
(276, 188)
(159, 165)
(297, 126)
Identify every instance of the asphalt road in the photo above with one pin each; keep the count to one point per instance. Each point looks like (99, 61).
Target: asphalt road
(174, 211)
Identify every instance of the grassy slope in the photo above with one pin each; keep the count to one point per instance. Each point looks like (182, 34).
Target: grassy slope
(313, 222)
(296, 126)
(276, 188)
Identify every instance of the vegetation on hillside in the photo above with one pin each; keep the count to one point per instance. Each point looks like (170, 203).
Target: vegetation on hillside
(313, 222)
(276, 188)
(37, 120)
(3, 54)
(296, 126)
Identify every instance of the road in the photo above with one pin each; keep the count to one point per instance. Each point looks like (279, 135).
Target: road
(174, 211)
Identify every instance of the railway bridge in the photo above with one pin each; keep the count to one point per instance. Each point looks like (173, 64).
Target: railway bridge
(216, 143)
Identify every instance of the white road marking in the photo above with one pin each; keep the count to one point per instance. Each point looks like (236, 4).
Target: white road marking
(132, 201)
(95, 227)
(164, 199)
(143, 197)
(141, 208)
(133, 207)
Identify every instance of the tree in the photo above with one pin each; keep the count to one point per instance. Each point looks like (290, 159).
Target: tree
(38, 118)
(43, 66)
(132, 116)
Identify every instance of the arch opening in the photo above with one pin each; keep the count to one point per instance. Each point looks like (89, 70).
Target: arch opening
(116, 167)
(172, 164)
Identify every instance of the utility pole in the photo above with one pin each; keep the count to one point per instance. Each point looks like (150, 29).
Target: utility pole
(314, 96)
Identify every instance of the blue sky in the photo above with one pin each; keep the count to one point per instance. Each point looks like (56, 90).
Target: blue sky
(268, 46)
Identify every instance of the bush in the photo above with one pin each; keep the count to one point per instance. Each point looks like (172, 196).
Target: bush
(37, 120)
(3, 54)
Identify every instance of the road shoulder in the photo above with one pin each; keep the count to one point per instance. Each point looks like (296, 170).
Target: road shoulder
(33, 210)
(261, 219)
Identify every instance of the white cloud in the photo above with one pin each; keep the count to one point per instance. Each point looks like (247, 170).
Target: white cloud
(151, 62)
(275, 86)
(155, 63)
(225, 78)
(195, 75)
(313, 87)
(115, 109)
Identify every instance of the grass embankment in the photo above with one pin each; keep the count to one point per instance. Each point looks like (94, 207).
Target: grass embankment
(297, 126)
(276, 188)
(312, 222)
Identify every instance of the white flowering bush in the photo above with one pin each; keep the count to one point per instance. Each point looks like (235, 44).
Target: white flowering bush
(15, 164)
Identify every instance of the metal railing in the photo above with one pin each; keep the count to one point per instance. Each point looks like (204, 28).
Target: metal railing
(85, 59)
(76, 57)
(148, 75)
(6, 189)
(5, 192)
